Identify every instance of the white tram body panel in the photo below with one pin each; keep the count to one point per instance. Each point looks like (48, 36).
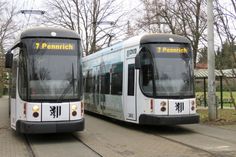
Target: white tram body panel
(52, 115)
(132, 105)
(47, 112)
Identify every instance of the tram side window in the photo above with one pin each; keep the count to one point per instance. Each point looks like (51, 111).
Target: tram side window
(117, 79)
(147, 73)
(97, 82)
(94, 84)
(84, 82)
(131, 79)
(13, 79)
(89, 80)
(22, 76)
(105, 83)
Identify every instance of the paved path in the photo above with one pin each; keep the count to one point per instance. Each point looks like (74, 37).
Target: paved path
(11, 144)
(121, 139)
(132, 141)
(46, 145)
(107, 138)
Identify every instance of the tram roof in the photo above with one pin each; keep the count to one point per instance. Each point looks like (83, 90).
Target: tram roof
(104, 51)
(140, 39)
(161, 37)
(49, 32)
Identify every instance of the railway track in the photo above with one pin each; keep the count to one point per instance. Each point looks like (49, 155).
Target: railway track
(90, 142)
(79, 140)
(215, 145)
(58, 145)
(203, 141)
(28, 147)
(106, 137)
(199, 141)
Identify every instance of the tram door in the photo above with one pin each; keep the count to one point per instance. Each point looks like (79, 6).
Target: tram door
(130, 82)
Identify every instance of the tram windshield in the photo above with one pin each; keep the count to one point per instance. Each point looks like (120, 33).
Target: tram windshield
(53, 69)
(167, 70)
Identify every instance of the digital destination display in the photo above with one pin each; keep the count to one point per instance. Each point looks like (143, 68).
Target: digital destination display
(171, 50)
(53, 46)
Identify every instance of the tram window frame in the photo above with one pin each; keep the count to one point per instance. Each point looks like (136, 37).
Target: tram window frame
(93, 83)
(89, 79)
(84, 82)
(22, 74)
(13, 78)
(102, 91)
(117, 79)
(97, 90)
(131, 73)
(105, 83)
(149, 76)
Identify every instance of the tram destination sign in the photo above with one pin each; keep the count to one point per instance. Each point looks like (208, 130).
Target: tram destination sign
(171, 50)
(53, 46)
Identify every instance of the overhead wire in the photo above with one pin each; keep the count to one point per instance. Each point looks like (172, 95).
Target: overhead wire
(23, 7)
(30, 13)
(121, 28)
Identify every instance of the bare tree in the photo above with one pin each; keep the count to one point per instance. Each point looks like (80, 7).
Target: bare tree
(7, 29)
(150, 21)
(225, 28)
(85, 17)
(130, 30)
(7, 25)
(181, 17)
(99, 12)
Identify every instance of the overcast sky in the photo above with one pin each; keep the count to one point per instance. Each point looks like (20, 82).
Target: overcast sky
(128, 5)
(39, 4)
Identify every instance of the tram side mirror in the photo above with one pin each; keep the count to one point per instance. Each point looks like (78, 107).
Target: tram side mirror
(8, 60)
(137, 62)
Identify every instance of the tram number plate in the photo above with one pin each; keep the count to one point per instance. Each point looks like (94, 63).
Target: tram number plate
(55, 112)
(178, 107)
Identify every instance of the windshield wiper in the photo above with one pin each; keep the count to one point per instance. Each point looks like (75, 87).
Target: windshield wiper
(61, 97)
(71, 84)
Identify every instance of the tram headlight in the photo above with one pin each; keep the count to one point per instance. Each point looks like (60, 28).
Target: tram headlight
(35, 114)
(163, 106)
(74, 113)
(193, 105)
(74, 107)
(35, 108)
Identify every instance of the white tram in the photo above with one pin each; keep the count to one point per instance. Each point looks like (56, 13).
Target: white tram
(46, 81)
(146, 79)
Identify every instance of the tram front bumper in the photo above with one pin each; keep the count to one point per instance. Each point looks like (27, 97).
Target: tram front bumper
(30, 127)
(149, 119)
